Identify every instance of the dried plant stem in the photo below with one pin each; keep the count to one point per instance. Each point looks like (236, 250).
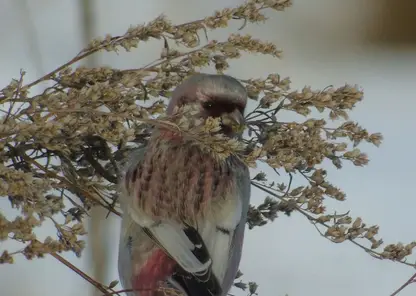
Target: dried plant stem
(80, 273)
(412, 280)
(315, 221)
(50, 174)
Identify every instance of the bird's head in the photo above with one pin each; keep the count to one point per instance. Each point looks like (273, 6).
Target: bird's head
(217, 96)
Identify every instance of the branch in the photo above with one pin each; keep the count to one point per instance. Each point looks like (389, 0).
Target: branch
(80, 273)
(410, 281)
(375, 254)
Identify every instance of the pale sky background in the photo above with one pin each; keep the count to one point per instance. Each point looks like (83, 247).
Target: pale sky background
(324, 44)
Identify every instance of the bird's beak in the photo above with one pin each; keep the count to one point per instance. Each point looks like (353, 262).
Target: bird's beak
(234, 120)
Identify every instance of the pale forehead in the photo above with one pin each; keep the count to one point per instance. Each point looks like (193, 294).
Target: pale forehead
(212, 86)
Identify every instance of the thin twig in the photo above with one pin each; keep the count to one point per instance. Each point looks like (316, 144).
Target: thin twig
(81, 273)
(375, 254)
(407, 283)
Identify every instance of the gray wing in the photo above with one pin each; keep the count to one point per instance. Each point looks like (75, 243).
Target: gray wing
(125, 262)
(244, 190)
(130, 234)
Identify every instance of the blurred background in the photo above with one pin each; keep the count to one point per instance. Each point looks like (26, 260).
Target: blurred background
(371, 43)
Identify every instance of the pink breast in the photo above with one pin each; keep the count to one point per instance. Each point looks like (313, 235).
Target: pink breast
(157, 268)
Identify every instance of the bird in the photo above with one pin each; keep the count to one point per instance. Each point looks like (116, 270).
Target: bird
(185, 210)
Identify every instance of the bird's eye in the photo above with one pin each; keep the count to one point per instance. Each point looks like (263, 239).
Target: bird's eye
(208, 105)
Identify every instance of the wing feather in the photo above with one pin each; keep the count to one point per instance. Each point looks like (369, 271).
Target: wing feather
(171, 237)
